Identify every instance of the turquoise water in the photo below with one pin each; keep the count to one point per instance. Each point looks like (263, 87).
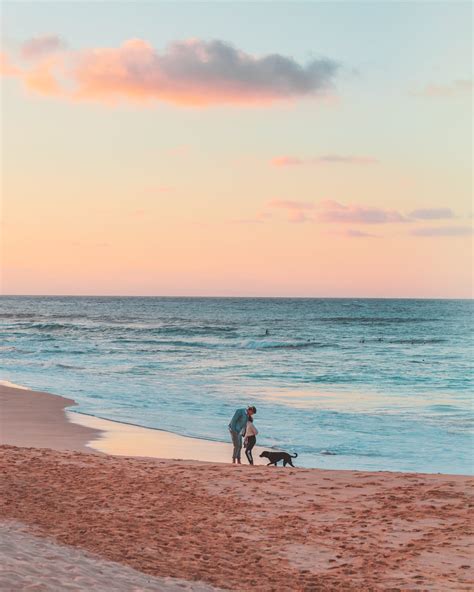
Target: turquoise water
(356, 384)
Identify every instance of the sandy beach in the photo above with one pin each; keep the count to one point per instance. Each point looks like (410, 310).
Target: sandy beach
(162, 524)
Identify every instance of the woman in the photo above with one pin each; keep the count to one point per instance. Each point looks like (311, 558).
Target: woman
(250, 439)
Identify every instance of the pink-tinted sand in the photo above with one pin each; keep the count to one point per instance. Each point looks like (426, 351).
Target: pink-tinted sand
(237, 528)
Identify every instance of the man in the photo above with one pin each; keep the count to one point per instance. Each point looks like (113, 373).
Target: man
(237, 427)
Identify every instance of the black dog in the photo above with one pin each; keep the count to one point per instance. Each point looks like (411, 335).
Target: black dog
(276, 457)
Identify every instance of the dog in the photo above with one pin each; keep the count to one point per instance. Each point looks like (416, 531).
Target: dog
(276, 457)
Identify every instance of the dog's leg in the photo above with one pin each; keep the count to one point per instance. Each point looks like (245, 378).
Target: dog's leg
(284, 463)
(291, 464)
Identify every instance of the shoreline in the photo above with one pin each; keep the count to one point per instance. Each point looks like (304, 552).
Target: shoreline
(45, 420)
(66, 428)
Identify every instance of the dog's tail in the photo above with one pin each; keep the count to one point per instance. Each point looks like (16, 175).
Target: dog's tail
(294, 455)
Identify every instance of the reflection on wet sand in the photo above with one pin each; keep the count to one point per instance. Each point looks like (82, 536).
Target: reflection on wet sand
(129, 440)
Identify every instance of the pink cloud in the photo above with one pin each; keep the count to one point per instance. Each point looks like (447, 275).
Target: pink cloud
(359, 234)
(192, 72)
(338, 159)
(41, 46)
(335, 212)
(7, 68)
(258, 219)
(284, 161)
(331, 211)
(290, 204)
(444, 231)
(298, 217)
(455, 88)
(432, 214)
(295, 210)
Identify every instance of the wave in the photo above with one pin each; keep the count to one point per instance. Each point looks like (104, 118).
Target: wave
(196, 330)
(445, 407)
(267, 344)
(11, 348)
(17, 315)
(13, 385)
(165, 342)
(372, 320)
(249, 344)
(115, 328)
(50, 326)
(416, 341)
(51, 364)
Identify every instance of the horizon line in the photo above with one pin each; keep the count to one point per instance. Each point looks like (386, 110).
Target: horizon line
(236, 297)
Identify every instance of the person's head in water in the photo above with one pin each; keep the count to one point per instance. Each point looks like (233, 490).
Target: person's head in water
(251, 411)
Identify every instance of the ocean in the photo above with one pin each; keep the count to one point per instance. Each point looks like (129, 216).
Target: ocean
(369, 384)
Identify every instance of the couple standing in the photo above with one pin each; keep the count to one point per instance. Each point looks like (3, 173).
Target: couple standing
(240, 425)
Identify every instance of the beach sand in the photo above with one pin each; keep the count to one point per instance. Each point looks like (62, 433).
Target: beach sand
(57, 568)
(231, 527)
(31, 418)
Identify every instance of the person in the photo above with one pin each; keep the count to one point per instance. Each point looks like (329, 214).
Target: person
(250, 439)
(237, 427)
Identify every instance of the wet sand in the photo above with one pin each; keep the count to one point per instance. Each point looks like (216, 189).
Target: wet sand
(35, 419)
(241, 528)
(30, 418)
(130, 440)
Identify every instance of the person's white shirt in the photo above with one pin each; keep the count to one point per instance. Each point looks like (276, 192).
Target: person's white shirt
(250, 430)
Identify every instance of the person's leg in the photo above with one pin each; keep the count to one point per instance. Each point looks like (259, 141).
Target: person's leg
(247, 453)
(248, 450)
(234, 444)
(238, 448)
(237, 442)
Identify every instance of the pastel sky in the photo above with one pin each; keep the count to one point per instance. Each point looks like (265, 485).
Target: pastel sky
(237, 149)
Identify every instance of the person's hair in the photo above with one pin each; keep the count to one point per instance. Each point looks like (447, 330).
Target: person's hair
(252, 408)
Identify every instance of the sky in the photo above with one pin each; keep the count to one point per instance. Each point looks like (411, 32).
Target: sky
(314, 149)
